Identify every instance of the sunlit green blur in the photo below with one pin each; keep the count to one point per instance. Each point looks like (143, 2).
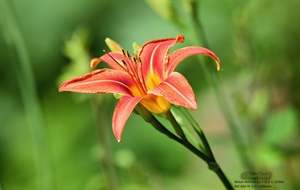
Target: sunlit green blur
(65, 141)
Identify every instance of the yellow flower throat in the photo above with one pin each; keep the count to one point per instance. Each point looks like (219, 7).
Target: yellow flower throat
(133, 66)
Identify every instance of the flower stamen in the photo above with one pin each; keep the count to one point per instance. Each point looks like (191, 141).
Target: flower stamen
(133, 67)
(123, 66)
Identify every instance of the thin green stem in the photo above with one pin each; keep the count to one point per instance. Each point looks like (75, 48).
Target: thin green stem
(148, 117)
(223, 178)
(192, 138)
(175, 125)
(29, 96)
(210, 160)
(198, 130)
(157, 125)
(212, 163)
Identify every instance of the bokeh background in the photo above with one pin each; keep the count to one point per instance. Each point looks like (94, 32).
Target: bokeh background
(51, 140)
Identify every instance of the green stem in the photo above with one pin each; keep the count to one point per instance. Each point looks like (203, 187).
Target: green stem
(211, 161)
(175, 125)
(29, 96)
(198, 130)
(208, 150)
(142, 111)
(219, 92)
(223, 178)
(157, 125)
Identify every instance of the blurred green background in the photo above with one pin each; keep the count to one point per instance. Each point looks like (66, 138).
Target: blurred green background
(51, 140)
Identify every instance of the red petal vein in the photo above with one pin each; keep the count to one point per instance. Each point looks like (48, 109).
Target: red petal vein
(122, 112)
(111, 58)
(100, 81)
(177, 56)
(154, 55)
(176, 90)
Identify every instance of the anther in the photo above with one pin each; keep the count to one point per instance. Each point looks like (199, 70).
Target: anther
(127, 54)
(123, 51)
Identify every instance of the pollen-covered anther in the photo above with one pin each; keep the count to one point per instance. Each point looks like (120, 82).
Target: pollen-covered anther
(136, 59)
(123, 51)
(139, 59)
(123, 62)
(128, 54)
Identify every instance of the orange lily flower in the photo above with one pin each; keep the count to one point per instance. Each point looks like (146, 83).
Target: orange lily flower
(147, 78)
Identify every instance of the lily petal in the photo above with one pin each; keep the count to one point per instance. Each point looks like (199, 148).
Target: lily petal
(100, 81)
(154, 55)
(176, 90)
(122, 112)
(112, 59)
(177, 56)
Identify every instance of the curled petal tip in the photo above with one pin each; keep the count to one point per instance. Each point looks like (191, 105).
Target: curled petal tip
(194, 106)
(95, 62)
(180, 38)
(218, 65)
(62, 86)
(217, 60)
(118, 136)
(60, 89)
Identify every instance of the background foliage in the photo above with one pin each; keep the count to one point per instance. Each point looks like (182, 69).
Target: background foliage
(57, 140)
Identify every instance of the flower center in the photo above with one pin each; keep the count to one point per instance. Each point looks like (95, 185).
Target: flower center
(133, 66)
